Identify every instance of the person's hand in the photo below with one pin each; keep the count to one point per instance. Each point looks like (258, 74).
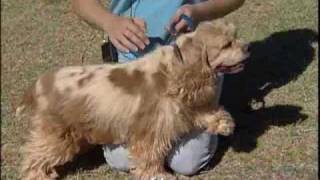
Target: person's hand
(127, 34)
(179, 25)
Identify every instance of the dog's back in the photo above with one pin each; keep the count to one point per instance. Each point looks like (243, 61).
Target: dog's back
(57, 85)
(91, 97)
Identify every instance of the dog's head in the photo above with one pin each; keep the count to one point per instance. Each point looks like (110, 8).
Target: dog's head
(213, 45)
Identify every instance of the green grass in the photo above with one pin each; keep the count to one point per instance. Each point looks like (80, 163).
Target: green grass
(274, 141)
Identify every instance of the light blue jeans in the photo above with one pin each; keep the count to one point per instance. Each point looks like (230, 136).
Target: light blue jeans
(190, 154)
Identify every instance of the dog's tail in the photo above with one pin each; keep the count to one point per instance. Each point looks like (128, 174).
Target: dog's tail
(28, 100)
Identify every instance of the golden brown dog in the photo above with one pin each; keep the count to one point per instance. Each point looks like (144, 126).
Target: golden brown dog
(146, 104)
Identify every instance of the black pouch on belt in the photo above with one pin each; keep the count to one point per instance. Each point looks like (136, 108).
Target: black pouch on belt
(109, 52)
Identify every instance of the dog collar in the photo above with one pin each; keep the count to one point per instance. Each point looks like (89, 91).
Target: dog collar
(177, 51)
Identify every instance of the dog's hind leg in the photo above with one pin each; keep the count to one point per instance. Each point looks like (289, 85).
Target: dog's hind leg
(50, 145)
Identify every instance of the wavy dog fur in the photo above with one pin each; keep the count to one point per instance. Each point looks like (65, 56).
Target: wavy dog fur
(146, 104)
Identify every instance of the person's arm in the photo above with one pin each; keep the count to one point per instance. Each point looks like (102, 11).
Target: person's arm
(214, 9)
(93, 12)
(208, 10)
(124, 33)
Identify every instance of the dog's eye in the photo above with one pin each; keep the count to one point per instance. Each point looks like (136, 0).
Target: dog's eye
(227, 45)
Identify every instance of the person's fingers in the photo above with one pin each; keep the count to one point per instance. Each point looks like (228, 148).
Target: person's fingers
(128, 44)
(176, 17)
(181, 26)
(178, 24)
(171, 30)
(140, 23)
(134, 39)
(119, 46)
(138, 32)
(174, 20)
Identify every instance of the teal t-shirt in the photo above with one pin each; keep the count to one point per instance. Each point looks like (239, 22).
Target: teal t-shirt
(156, 14)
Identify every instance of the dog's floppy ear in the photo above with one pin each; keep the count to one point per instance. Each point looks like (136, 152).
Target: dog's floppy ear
(211, 55)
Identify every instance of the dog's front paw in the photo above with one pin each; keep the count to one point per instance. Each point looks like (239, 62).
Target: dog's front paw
(225, 127)
(222, 123)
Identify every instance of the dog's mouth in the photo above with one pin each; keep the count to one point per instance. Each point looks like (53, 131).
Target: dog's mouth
(236, 68)
(230, 69)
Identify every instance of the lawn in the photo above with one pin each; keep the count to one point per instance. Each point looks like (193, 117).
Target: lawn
(274, 100)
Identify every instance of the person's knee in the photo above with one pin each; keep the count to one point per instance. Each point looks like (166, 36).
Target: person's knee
(116, 157)
(192, 153)
(186, 169)
(119, 165)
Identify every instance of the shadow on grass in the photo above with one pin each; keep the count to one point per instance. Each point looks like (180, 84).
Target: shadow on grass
(88, 161)
(274, 62)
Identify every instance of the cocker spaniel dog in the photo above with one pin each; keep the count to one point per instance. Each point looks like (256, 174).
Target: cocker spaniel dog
(146, 104)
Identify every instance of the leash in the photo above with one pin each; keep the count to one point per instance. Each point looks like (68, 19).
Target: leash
(173, 36)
